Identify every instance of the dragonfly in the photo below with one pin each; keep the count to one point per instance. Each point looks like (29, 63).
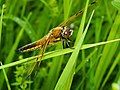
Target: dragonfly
(57, 34)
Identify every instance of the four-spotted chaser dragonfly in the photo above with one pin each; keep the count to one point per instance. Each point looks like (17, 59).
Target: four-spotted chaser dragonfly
(60, 33)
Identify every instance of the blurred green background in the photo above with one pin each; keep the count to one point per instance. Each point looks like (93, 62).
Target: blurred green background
(25, 21)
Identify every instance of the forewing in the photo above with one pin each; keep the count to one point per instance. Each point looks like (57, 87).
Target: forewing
(75, 16)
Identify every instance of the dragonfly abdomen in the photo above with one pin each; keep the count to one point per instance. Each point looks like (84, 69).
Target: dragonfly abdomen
(30, 47)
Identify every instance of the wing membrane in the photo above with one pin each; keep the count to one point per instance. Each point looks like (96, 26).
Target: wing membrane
(75, 16)
(42, 52)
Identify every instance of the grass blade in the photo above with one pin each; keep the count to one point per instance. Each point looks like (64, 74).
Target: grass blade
(56, 53)
(108, 52)
(64, 83)
(5, 75)
(12, 51)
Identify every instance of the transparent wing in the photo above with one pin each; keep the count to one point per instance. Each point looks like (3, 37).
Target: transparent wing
(75, 16)
(38, 60)
(42, 53)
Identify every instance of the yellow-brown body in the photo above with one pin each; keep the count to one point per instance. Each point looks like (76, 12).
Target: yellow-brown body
(55, 35)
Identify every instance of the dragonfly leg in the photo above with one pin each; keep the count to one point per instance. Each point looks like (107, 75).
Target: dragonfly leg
(67, 44)
(63, 43)
(38, 66)
(70, 40)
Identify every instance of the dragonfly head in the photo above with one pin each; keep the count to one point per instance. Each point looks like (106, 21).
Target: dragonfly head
(67, 32)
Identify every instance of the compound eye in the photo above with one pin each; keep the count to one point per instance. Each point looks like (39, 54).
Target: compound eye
(66, 33)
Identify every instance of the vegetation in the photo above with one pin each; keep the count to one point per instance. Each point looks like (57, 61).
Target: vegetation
(91, 63)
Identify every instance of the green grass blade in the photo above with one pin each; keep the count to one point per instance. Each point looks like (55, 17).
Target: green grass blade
(53, 73)
(6, 78)
(116, 3)
(116, 61)
(80, 31)
(84, 61)
(28, 28)
(12, 51)
(67, 3)
(67, 75)
(108, 52)
(57, 53)
(1, 22)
